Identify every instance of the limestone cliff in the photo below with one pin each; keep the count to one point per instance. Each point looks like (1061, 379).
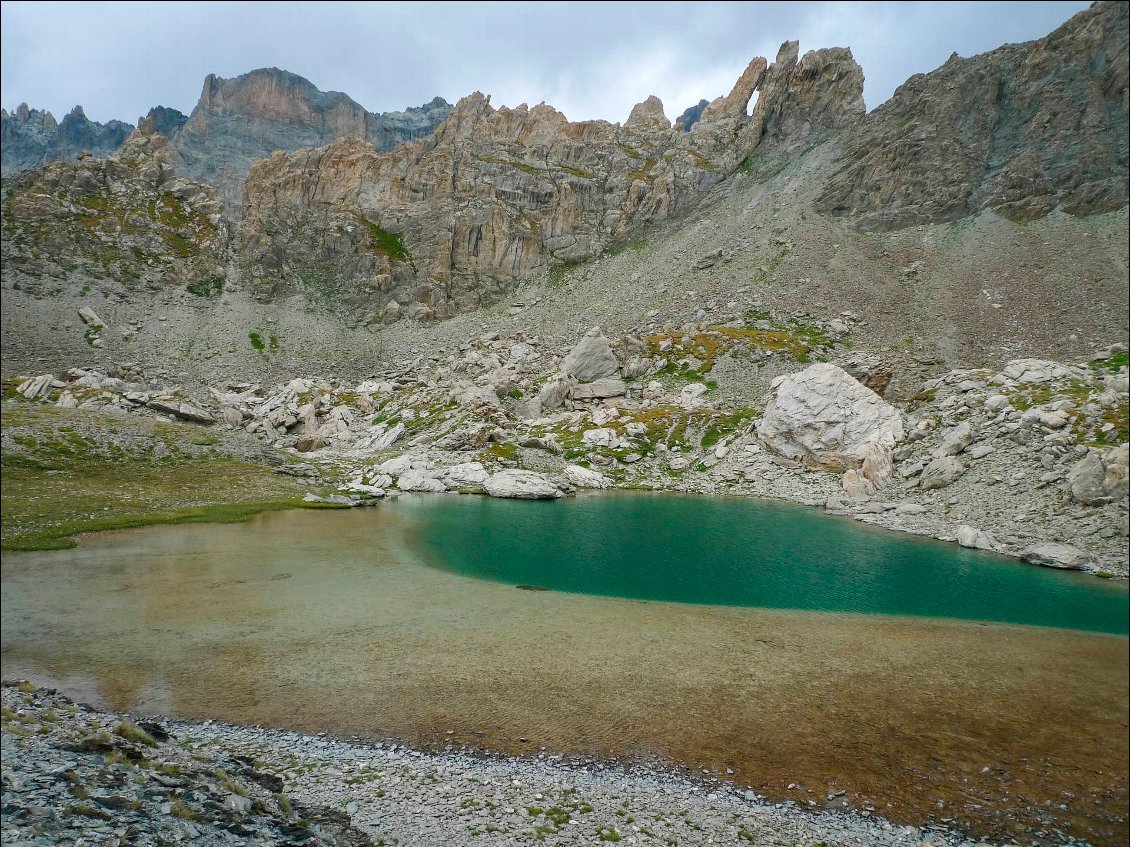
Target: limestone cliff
(31, 137)
(493, 196)
(238, 121)
(1021, 130)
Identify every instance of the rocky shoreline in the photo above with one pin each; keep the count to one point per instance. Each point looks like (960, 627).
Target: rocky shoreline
(76, 775)
(1029, 461)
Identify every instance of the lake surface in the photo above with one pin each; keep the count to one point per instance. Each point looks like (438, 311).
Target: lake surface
(365, 622)
(741, 552)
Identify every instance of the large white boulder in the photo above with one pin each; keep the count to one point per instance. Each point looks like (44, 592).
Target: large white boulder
(466, 474)
(523, 485)
(826, 418)
(585, 478)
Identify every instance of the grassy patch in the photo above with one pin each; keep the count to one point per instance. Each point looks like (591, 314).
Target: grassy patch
(617, 249)
(57, 482)
(390, 244)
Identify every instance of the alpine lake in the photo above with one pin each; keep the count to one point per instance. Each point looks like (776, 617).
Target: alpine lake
(798, 654)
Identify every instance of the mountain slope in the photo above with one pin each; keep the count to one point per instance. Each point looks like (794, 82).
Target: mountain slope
(1021, 130)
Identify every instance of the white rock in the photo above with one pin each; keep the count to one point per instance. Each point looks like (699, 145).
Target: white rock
(395, 466)
(600, 437)
(956, 439)
(1054, 555)
(857, 486)
(1036, 370)
(90, 317)
(585, 478)
(691, 395)
(520, 484)
(599, 389)
(826, 418)
(466, 474)
(420, 480)
(968, 536)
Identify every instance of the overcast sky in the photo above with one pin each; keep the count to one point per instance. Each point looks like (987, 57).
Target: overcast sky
(590, 60)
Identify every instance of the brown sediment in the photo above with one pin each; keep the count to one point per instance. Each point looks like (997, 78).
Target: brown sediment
(1001, 725)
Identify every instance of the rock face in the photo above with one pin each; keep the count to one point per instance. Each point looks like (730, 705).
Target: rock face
(495, 196)
(31, 137)
(1021, 130)
(827, 419)
(241, 120)
(125, 218)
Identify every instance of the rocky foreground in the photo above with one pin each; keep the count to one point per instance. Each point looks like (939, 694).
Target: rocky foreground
(73, 775)
(1029, 461)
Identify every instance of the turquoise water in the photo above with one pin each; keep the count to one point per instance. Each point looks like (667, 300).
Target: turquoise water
(740, 552)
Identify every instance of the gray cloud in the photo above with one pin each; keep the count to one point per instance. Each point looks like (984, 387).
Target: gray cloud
(590, 60)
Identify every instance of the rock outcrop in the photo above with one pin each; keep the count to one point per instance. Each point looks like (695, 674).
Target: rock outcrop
(31, 137)
(1021, 130)
(495, 196)
(827, 419)
(126, 219)
(241, 120)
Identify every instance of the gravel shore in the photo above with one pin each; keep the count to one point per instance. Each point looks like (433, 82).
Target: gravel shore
(73, 775)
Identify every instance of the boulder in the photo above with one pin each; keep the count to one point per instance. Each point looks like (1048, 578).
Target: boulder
(585, 478)
(690, 397)
(599, 389)
(522, 485)
(1036, 370)
(1054, 555)
(600, 437)
(465, 475)
(968, 536)
(1100, 478)
(420, 480)
(1087, 479)
(941, 472)
(878, 465)
(956, 439)
(592, 358)
(184, 411)
(552, 395)
(857, 486)
(90, 317)
(395, 466)
(827, 419)
(1117, 461)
